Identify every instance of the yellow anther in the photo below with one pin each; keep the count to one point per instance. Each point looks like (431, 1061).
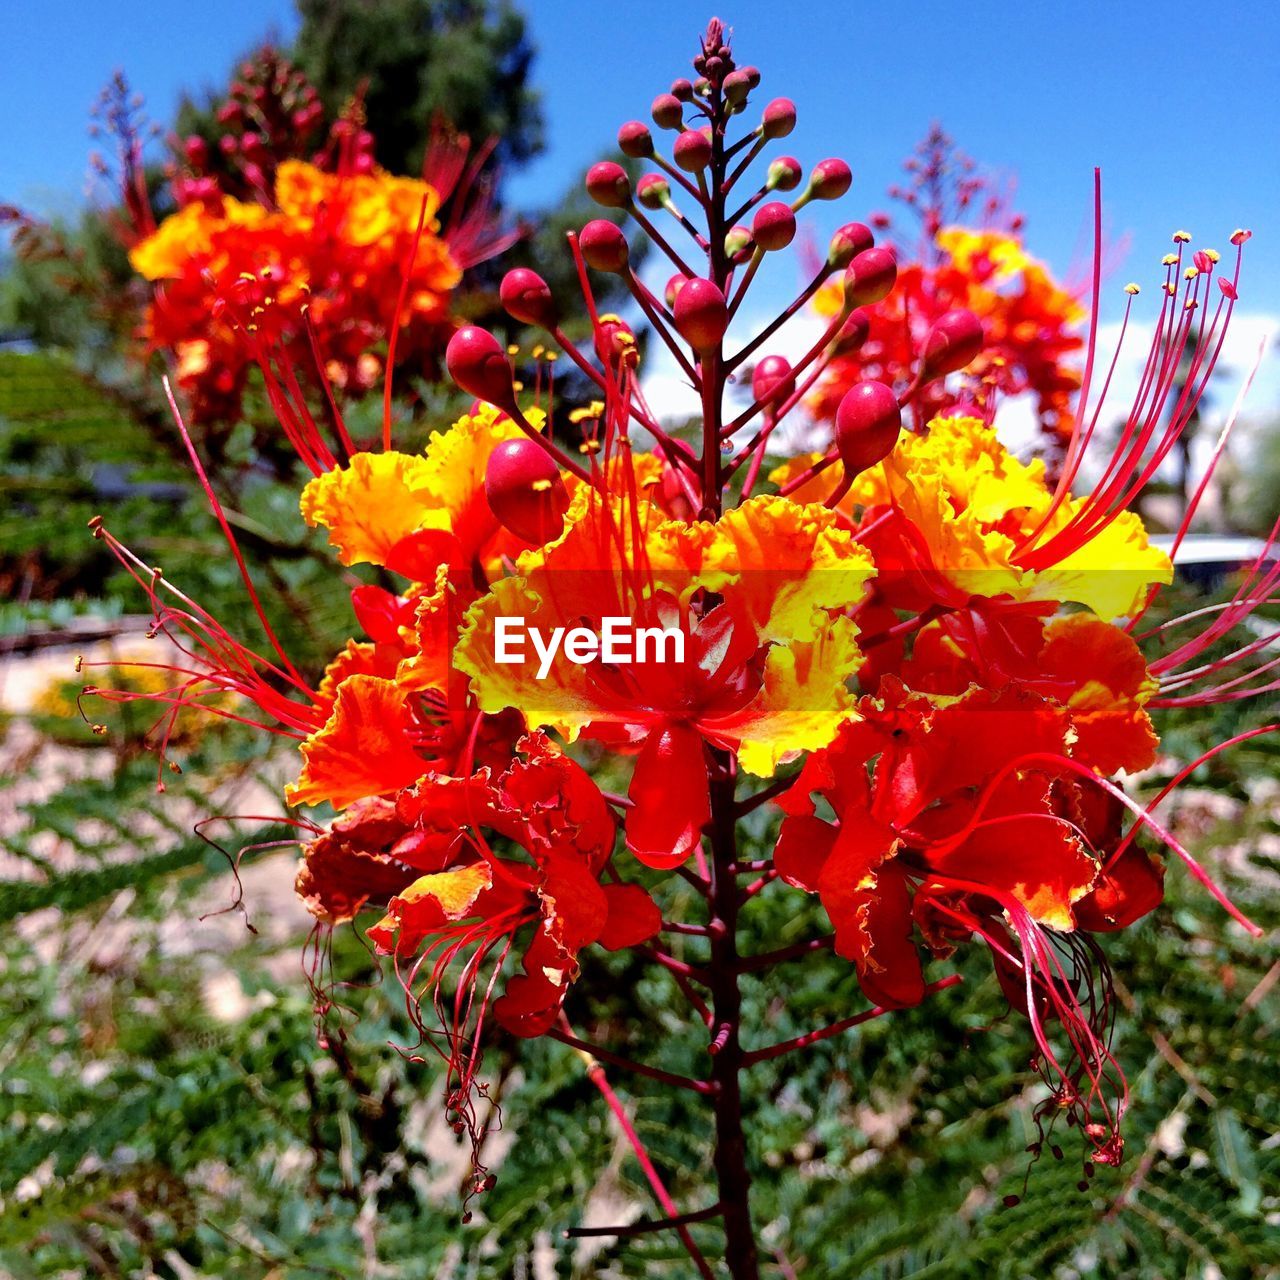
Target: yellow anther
(79, 663)
(1169, 260)
(1213, 255)
(538, 351)
(99, 729)
(513, 349)
(552, 357)
(1190, 273)
(589, 446)
(540, 486)
(1132, 289)
(1182, 237)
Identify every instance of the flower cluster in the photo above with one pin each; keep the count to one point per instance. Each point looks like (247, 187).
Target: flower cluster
(970, 255)
(314, 255)
(914, 646)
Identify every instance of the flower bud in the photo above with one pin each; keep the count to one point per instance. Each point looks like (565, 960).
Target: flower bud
(736, 87)
(196, 150)
(772, 381)
(653, 191)
(830, 179)
(849, 241)
(635, 140)
(603, 245)
(615, 343)
(868, 420)
(525, 491)
(692, 151)
(753, 76)
(682, 90)
(527, 298)
(478, 364)
(779, 118)
(774, 226)
(667, 112)
(870, 276)
(784, 174)
(608, 184)
(953, 342)
(700, 314)
(738, 244)
(853, 333)
(674, 285)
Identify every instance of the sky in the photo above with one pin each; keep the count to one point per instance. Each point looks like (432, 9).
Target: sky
(1178, 103)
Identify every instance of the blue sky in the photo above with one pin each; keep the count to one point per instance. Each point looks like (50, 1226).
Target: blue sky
(1177, 102)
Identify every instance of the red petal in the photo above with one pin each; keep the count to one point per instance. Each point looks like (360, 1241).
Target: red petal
(672, 798)
(633, 917)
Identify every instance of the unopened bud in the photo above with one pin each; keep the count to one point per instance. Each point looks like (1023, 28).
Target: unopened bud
(738, 244)
(682, 90)
(849, 241)
(478, 364)
(868, 420)
(772, 381)
(953, 342)
(667, 112)
(653, 191)
(603, 245)
(701, 314)
(525, 490)
(635, 140)
(870, 277)
(736, 87)
(774, 226)
(784, 174)
(674, 285)
(779, 119)
(853, 333)
(608, 184)
(526, 296)
(692, 151)
(196, 150)
(753, 76)
(830, 179)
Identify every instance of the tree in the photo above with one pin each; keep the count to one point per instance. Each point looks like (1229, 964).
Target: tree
(468, 60)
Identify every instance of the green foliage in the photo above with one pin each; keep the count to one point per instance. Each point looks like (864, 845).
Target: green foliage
(467, 60)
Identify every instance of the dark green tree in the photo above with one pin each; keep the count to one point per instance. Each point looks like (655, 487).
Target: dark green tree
(467, 60)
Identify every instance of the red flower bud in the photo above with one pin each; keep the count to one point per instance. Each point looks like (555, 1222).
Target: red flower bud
(527, 297)
(849, 241)
(784, 174)
(736, 87)
(603, 245)
(196, 150)
(853, 333)
(525, 490)
(653, 191)
(753, 76)
(635, 140)
(667, 112)
(779, 118)
(954, 341)
(700, 313)
(868, 420)
(830, 179)
(870, 276)
(682, 90)
(772, 380)
(478, 364)
(774, 226)
(692, 150)
(608, 184)
(674, 285)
